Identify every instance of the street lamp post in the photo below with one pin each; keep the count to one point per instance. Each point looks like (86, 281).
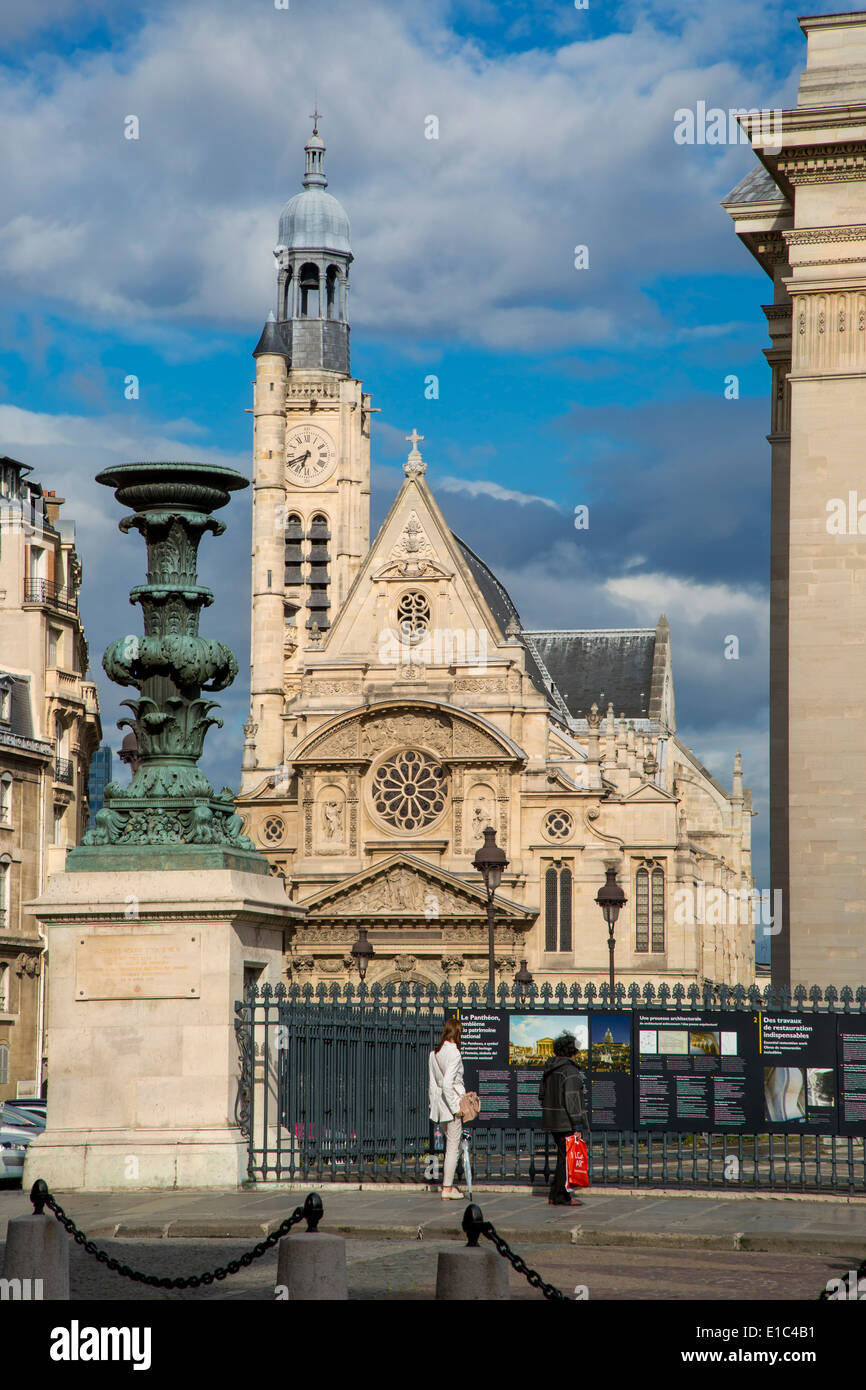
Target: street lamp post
(362, 952)
(491, 863)
(611, 899)
(523, 979)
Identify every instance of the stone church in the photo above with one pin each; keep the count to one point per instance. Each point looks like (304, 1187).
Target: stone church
(399, 706)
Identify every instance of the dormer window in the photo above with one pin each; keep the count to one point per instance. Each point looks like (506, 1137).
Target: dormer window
(5, 700)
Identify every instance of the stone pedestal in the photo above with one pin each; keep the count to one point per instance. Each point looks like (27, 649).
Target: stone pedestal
(145, 969)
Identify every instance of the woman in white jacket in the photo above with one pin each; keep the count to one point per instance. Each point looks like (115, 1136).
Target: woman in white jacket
(446, 1088)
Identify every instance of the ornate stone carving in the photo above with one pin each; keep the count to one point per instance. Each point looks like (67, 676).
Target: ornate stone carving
(402, 890)
(27, 963)
(322, 687)
(413, 543)
(329, 965)
(452, 966)
(474, 743)
(389, 731)
(341, 742)
(481, 685)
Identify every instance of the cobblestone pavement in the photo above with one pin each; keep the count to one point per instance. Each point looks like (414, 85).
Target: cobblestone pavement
(406, 1270)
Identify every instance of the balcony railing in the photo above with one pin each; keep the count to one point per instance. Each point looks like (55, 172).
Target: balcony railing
(63, 770)
(46, 591)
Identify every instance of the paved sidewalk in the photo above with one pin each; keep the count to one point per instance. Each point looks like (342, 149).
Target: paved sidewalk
(816, 1226)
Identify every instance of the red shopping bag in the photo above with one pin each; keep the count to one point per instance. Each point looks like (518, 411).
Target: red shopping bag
(576, 1163)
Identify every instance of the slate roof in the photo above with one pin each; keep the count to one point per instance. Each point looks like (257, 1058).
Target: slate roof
(757, 187)
(614, 665)
(272, 340)
(502, 607)
(20, 706)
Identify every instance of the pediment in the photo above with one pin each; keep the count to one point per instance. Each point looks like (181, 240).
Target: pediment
(648, 791)
(405, 887)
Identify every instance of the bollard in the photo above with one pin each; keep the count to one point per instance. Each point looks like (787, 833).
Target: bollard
(37, 1252)
(470, 1273)
(313, 1266)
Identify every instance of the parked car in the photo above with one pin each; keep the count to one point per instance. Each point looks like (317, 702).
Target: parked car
(18, 1126)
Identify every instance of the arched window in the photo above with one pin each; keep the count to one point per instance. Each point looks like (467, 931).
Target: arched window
(5, 877)
(308, 280)
(658, 909)
(288, 289)
(558, 880)
(641, 910)
(6, 799)
(649, 912)
(332, 281)
(4, 989)
(4, 1065)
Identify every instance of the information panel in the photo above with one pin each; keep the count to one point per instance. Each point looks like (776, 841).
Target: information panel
(695, 1071)
(692, 1070)
(851, 1032)
(504, 1054)
(795, 1073)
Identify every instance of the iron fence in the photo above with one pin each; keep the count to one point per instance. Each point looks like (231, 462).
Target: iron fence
(332, 1087)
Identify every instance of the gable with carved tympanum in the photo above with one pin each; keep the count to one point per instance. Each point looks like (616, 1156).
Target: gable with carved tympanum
(406, 888)
(363, 735)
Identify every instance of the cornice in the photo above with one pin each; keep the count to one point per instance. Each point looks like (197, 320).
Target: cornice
(809, 236)
(835, 162)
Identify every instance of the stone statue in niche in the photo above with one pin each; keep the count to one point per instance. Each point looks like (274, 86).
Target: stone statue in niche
(482, 816)
(332, 821)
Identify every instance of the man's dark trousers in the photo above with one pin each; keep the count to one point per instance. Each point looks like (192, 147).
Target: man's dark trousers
(557, 1187)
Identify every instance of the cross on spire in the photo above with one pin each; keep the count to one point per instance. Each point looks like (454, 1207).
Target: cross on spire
(414, 464)
(314, 117)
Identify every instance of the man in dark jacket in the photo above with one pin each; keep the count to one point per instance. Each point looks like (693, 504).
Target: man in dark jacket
(563, 1107)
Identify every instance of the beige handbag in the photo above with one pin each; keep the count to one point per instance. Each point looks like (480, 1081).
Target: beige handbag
(469, 1107)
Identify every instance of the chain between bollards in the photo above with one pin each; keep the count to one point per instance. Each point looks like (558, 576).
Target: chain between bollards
(311, 1212)
(474, 1225)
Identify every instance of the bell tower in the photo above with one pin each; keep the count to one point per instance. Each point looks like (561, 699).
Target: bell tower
(311, 455)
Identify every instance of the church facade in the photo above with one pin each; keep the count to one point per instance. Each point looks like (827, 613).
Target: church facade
(399, 706)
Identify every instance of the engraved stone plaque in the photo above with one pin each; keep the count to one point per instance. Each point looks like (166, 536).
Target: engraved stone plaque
(166, 965)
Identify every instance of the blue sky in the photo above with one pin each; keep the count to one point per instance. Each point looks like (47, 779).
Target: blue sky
(557, 386)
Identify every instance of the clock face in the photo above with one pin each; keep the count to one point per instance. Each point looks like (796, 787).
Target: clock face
(310, 455)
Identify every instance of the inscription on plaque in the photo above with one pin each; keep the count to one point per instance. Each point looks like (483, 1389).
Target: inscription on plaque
(139, 966)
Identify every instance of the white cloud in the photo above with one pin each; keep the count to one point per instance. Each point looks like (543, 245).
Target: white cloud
(477, 487)
(686, 600)
(468, 237)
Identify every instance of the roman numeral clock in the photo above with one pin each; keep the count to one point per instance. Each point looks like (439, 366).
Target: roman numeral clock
(311, 455)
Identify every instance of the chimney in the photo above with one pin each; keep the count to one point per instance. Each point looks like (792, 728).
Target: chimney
(53, 503)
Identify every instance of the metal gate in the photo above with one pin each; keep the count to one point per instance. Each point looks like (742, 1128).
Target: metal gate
(333, 1088)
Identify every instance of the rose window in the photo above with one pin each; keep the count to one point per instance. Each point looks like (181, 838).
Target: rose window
(558, 825)
(413, 616)
(409, 790)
